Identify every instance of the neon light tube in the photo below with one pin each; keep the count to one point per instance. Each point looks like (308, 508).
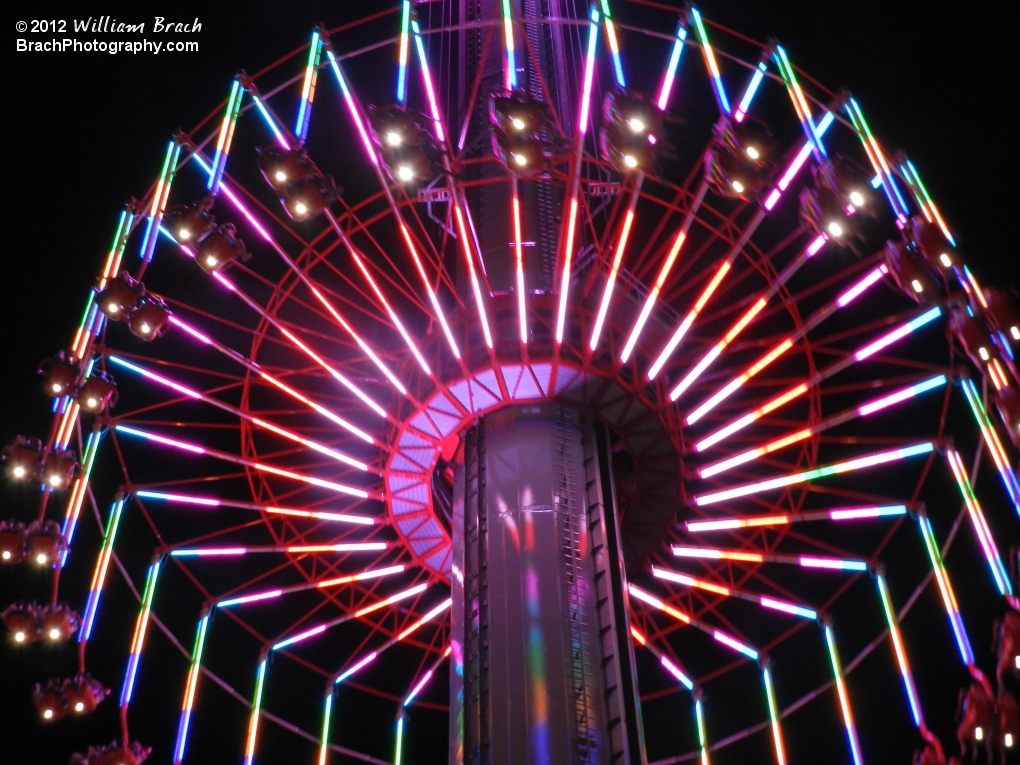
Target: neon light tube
(777, 733)
(159, 198)
(273, 594)
(800, 103)
(417, 688)
(267, 118)
(621, 246)
(667, 266)
(675, 672)
(199, 552)
(425, 619)
(113, 258)
(901, 654)
(798, 390)
(184, 446)
(582, 128)
(304, 114)
(138, 640)
(781, 442)
(405, 25)
(728, 640)
(433, 298)
(736, 645)
(877, 159)
(699, 715)
(844, 699)
(519, 265)
(433, 101)
(81, 486)
(804, 561)
(977, 518)
(390, 600)
(752, 88)
(753, 521)
(397, 756)
(669, 665)
(300, 636)
(226, 135)
(614, 46)
(508, 41)
(810, 475)
(946, 588)
(991, 439)
(189, 694)
(674, 61)
(713, 67)
(332, 453)
(99, 576)
(931, 205)
(896, 334)
(762, 600)
(324, 746)
(347, 673)
(717, 349)
(268, 595)
(211, 502)
(256, 708)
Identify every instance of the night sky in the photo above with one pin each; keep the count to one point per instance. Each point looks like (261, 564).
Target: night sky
(88, 130)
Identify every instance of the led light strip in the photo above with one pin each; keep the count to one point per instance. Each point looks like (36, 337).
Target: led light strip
(844, 698)
(219, 163)
(755, 521)
(800, 103)
(195, 449)
(219, 552)
(731, 592)
(946, 588)
(710, 62)
(194, 671)
(570, 225)
(832, 369)
(621, 246)
(875, 405)
(138, 641)
(159, 199)
(977, 518)
(901, 654)
(674, 62)
(991, 438)
(614, 46)
(81, 486)
(304, 114)
(870, 460)
(777, 731)
(271, 509)
(99, 576)
(405, 26)
(256, 708)
(804, 561)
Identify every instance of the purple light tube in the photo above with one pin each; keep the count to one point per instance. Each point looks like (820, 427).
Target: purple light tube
(977, 518)
(213, 502)
(674, 62)
(240, 413)
(752, 521)
(859, 463)
(138, 641)
(896, 334)
(193, 552)
(99, 577)
(991, 438)
(337, 487)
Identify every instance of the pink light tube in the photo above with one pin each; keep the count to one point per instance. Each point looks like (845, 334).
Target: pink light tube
(667, 266)
(896, 334)
(332, 453)
(522, 314)
(213, 502)
(200, 552)
(568, 251)
(433, 298)
(878, 458)
(731, 592)
(840, 514)
(425, 678)
(669, 665)
(184, 446)
(390, 600)
(804, 561)
(251, 365)
(977, 518)
(621, 246)
(674, 61)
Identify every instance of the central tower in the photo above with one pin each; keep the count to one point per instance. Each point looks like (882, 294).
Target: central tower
(542, 669)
